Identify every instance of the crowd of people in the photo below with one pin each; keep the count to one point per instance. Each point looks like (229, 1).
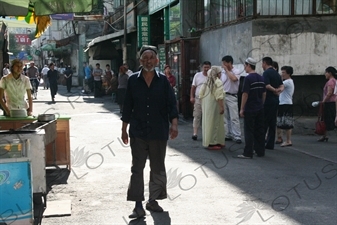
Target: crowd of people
(266, 105)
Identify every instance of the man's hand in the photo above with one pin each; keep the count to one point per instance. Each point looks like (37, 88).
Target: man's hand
(222, 110)
(125, 137)
(173, 131)
(242, 113)
(192, 100)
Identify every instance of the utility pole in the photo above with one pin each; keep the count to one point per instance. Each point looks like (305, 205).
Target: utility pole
(125, 32)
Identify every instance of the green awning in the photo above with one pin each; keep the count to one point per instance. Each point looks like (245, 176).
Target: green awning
(45, 7)
(14, 7)
(48, 47)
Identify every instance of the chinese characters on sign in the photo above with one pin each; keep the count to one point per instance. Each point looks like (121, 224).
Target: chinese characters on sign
(143, 31)
(22, 39)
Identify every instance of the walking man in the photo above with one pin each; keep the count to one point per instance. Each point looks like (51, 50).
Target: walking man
(149, 107)
(253, 97)
(97, 74)
(45, 77)
(274, 86)
(68, 75)
(230, 78)
(198, 79)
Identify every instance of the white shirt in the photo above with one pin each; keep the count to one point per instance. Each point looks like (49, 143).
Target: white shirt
(286, 96)
(15, 91)
(5, 71)
(198, 80)
(129, 73)
(45, 70)
(230, 86)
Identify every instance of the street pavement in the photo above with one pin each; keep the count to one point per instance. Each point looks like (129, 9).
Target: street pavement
(291, 185)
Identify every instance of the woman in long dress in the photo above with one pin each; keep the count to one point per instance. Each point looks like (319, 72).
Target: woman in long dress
(212, 103)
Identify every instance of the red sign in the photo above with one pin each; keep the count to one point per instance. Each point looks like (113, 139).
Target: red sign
(22, 39)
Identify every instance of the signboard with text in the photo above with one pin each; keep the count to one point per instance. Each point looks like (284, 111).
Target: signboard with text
(22, 39)
(143, 30)
(162, 57)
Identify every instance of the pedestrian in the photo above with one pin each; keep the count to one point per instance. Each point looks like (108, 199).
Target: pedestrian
(169, 75)
(5, 70)
(14, 87)
(198, 80)
(88, 79)
(33, 74)
(122, 85)
(53, 76)
(128, 71)
(212, 97)
(285, 120)
(253, 97)
(275, 66)
(231, 80)
(108, 75)
(97, 74)
(45, 77)
(274, 86)
(149, 108)
(68, 75)
(328, 101)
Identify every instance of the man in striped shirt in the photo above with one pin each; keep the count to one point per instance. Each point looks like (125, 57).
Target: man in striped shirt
(253, 97)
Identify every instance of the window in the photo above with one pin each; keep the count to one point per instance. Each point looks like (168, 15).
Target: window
(274, 7)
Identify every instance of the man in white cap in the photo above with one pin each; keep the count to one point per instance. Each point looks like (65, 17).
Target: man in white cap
(149, 107)
(253, 97)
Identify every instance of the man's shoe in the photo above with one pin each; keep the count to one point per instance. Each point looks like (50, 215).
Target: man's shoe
(238, 141)
(153, 206)
(194, 137)
(228, 139)
(244, 157)
(137, 213)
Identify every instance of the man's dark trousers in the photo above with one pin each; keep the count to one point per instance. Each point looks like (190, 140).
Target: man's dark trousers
(156, 150)
(270, 114)
(254, 133)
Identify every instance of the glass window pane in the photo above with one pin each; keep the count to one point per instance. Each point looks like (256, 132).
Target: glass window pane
(175, 23)
(303, 7)
(273, 7)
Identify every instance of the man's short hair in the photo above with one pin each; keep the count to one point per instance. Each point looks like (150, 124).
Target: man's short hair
(268, 61)
(207, 63)
(97, 64)
(107, 65)
(289, 70)
(228, 59)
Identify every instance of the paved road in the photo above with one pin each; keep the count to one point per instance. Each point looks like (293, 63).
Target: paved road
(293, 185)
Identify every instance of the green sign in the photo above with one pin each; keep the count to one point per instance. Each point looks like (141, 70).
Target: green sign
(162, 57)
(143, 31)
(156, 5)
(47, 7)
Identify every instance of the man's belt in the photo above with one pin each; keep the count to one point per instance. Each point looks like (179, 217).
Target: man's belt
(235, 95)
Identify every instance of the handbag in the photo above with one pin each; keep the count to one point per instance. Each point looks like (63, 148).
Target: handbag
(320, 127)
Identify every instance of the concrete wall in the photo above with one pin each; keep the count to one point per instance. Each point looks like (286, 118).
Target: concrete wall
(309, 45)
(233, 40)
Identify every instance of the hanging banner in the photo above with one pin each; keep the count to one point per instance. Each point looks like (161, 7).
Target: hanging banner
(48, 7)
(67, 16)
(143, 30)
